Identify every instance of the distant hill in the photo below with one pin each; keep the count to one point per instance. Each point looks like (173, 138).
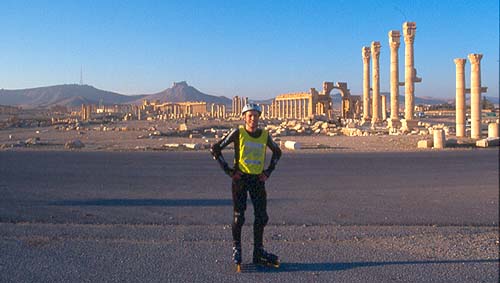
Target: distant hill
(418, 100)
(64, 95)
(72, 95)
(337, 98)
(181, 91)
(425, 100)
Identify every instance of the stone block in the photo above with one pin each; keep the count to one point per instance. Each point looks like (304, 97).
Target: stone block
(292, 145)
(424, 144)
(171, 145)
(493, 130)
(439, 139)
(488, 142)
(194, 146)
(183, 127)
(74, 144)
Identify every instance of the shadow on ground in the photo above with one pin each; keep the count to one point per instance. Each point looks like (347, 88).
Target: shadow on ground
(339, 266)
(144, 202)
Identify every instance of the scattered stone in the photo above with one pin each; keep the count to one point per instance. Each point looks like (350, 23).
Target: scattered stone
(183, 127)
(292, 145)
(487, 142)
(32, 141)
(195, 146)
(424, 144)
(171, 145)
(74, 144)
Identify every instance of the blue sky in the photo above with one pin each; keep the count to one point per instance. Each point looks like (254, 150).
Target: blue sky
(251, 48)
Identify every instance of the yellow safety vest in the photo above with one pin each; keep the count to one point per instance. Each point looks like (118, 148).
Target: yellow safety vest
(252, 152)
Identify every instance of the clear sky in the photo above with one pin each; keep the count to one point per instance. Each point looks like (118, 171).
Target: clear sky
(249, 48)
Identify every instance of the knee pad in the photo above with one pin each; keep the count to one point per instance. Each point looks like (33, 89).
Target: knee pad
(261, 219)
(239, 219)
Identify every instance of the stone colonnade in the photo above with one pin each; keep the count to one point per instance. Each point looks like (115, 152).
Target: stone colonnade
(475, 90)
(237, 105)
(375, 52)
(365, 54)
(411, 78)
(460, 97)
(218, 111)
(294, 106)
(409, 30)
(86, 112)
(394, 43)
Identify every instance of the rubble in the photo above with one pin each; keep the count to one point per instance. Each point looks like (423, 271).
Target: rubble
(292, 145)
(488, 142)
(74, 144)
(424, 144)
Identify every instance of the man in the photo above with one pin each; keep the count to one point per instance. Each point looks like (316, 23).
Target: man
(248, 177)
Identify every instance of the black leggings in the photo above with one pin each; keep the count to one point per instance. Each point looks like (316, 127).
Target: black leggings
(257, 191)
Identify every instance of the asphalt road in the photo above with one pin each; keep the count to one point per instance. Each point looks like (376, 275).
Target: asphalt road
(164, 216)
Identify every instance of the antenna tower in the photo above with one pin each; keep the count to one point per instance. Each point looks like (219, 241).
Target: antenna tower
(81, 75)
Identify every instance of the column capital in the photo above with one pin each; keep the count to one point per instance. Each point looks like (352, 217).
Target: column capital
(475, 58)
(375, 48)
(460, 61)
(394, 39)
(409, 30)
(365, 52)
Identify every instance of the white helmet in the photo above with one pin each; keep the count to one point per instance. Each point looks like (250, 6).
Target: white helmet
(251, 106)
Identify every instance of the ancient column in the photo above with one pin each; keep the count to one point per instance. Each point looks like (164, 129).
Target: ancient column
(475, 95)
(384, 107)
(493, 130)
(289, 108)
(310, 107)
(409, 29)
(285, 108)
(300, 108)
(365, 53)
(375, 51)
(394, 42)
(460, 97)
(304, 106)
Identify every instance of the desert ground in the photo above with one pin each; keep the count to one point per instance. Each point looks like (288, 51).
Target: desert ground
(126, 208)
(155, 135)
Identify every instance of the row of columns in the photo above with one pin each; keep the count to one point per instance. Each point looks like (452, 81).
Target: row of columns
(294, 108)
(218, 111)
(373, 52)
(237, 105)
(86, 112)
(475, 91)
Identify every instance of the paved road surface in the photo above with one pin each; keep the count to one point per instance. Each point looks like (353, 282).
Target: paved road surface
(371, 217)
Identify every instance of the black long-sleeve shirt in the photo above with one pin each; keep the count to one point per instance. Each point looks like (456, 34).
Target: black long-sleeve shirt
(233, 137)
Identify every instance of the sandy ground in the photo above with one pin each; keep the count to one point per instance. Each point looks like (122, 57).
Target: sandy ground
(137, 136)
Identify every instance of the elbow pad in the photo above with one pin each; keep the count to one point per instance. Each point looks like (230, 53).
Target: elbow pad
(215, 150)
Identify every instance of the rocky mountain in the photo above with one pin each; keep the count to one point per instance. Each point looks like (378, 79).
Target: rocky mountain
(64, 95)
(72, 95)
(181, 91)
(418, 100)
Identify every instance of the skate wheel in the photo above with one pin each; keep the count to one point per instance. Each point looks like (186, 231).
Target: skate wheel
(238, 268)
